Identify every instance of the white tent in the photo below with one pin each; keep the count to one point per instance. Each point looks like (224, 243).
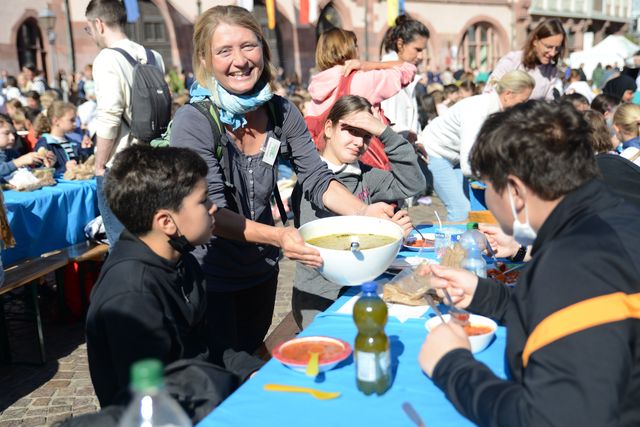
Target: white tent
(613, 50)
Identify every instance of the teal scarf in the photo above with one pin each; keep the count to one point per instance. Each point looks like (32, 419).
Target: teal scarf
(232, 108)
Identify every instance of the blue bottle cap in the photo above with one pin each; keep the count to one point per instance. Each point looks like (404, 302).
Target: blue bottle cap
(369, 287)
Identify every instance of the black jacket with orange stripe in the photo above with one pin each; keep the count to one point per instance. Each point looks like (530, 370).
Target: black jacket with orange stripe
(587, 248)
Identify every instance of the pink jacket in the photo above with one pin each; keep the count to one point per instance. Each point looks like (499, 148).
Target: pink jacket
(375, 85)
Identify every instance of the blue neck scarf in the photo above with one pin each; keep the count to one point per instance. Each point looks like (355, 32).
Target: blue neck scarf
(232, 108)
(635, 142)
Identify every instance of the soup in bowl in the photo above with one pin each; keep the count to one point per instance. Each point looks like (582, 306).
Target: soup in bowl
(354, 249)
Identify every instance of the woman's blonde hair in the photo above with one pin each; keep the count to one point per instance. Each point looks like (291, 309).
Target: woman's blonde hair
(206, 26)
(48, 98)
(626, 118)
(515, 81)
(55, 111)
(335, 46)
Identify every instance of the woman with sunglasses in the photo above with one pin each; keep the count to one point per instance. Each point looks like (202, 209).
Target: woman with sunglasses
(539, 57)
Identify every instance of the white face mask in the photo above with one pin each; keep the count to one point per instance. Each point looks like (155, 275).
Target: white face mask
(522, 232)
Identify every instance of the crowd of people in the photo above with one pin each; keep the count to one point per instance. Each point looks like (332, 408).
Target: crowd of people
(193, 268)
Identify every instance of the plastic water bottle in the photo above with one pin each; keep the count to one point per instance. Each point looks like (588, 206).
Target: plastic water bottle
(151, 405)
(372, 354)
(474, 262)
(472, 237)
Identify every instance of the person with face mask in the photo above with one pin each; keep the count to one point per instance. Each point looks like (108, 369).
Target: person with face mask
(572, 354)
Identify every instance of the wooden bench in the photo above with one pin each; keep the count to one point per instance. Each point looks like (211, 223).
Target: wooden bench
(22, 274)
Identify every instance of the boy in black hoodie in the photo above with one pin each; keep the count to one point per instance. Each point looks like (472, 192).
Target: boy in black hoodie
(150, 300)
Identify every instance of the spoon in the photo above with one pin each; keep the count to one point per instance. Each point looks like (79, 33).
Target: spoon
(312, 366)
(413, 415)
(318, 394)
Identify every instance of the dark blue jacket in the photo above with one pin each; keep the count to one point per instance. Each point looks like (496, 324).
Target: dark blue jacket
(6, 165)
(62, 157)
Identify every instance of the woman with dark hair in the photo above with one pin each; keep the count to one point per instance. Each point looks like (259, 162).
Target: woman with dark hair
(406, 41)
(539, 57)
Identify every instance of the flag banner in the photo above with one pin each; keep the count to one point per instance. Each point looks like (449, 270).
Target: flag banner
(247, 4)
(401, 9)
(271, 14)
(133, 13)
(304, 12)
(313, 10)
(392, 12)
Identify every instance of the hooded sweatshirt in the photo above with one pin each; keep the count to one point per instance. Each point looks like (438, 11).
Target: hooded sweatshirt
(144, 306)
(375, 86)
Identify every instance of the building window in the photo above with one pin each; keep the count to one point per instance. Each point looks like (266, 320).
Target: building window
(480, 47)
(272, 36)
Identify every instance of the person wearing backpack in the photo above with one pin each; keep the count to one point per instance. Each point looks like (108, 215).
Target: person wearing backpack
(113, 76)
(240, 263)
(342, 73)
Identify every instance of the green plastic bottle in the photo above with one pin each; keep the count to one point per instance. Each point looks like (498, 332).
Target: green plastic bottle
(372, 354)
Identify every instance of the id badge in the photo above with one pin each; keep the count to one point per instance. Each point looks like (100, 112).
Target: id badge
(271, 151)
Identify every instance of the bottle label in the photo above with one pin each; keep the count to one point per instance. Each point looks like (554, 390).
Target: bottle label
(370, 367)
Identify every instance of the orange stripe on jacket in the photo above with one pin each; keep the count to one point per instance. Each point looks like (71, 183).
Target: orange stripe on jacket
(580, 316)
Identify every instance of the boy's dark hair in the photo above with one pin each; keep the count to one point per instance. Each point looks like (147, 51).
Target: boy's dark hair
(451, 89)
(144, 179)
(31, 113)
(33, 95)
(111, 12)
(11, 81)
(547, 145)
(604, 103)
(575, 99)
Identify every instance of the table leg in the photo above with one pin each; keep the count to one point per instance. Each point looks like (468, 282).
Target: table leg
(5, 349)
(36, 310)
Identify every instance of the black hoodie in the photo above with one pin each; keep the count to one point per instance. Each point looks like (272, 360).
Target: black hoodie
(144, 306)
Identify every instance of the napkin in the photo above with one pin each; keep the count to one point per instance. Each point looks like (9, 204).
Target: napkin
(400, 311)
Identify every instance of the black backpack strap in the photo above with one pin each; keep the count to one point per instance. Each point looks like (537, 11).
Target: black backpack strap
(277, 117)
(221, 153)
(151, 58)
(128, 57)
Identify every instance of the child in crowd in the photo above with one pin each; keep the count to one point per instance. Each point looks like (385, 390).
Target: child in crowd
(10, 161)
(150, 299)
(347, 132)
(59, 120)
(626, 124)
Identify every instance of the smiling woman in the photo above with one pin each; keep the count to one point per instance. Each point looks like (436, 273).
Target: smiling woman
(544, 47)
(234, 76)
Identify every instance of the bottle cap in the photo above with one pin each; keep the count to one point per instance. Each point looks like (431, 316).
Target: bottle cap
(472, 226)
(369, 287)
(146, 374)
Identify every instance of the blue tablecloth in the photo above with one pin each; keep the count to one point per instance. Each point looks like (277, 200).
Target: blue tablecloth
(251, 405)
(50, 218)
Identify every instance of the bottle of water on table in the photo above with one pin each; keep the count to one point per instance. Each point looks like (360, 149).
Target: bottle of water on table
(151, 405)
(474, 262)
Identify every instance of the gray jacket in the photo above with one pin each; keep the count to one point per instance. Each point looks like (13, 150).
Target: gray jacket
(372, 185)
(232, 265)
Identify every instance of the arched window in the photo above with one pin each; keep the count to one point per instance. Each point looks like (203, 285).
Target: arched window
(30, 46)
(329, 18)
(480, 47)
(150, 31)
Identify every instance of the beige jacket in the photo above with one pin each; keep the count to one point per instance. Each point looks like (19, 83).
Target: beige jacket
(113, 77)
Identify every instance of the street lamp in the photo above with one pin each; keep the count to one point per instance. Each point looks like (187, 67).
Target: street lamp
(47, 20)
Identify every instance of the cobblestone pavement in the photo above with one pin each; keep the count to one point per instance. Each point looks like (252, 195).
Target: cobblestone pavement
(41, 395)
